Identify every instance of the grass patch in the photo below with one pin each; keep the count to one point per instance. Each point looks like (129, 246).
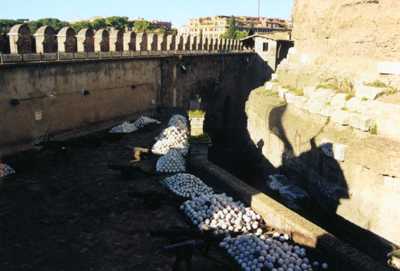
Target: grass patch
(388, 89)
(196, 114)
(339, 86)
(376, 84)
(295, 90)
(373, 130)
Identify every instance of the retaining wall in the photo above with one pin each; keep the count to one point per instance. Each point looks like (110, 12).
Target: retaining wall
(41, 101)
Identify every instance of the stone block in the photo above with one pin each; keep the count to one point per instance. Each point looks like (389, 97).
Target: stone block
(367, 92)
(339, 101)
(360, 122)
(355, 104)
(392, 183)
(319, 102)
(389, 67)
(325, 95)
(327, 111)
(308, 91)
(298, 101)
(386, 116)
(341, 117)
(314, 107)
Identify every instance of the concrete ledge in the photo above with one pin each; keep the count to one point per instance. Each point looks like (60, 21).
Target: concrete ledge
(279, 217)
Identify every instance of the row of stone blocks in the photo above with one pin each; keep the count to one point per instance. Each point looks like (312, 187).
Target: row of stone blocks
(362, 112)
(46, 40)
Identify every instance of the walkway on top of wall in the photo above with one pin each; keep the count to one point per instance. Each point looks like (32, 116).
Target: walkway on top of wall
(6, 59)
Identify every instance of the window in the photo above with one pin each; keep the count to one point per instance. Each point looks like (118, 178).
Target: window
(265, 46)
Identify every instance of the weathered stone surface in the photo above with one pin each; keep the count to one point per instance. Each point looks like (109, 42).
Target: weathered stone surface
(309, 91)
(341, 117)
(355, 104)
(343, 37)
(360, 160)
(319, 102)
(360, 122)
(298, 101)
(339, 101)
(389, 67)
(386, 117)
(366, 92)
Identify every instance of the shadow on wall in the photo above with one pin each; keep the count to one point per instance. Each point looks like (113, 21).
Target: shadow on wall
(226, 120)
(326, 192)
(233, 149)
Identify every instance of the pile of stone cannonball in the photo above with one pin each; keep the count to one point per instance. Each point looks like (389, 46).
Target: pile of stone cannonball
(187, 185)
(175, 136)
(172, 162)
(6, 170)
(171, 138)
(258, 253)
(221, 214)
(179, 122)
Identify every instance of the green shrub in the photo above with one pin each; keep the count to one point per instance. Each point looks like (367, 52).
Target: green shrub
(295, 90)
(340, 86)
(373, 130)
(376, 84)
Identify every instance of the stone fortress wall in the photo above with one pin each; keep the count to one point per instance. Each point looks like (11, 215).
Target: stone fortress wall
(354, 39)
(47, 41)
(331, 112)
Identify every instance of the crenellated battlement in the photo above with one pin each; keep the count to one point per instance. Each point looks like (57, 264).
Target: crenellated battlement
(48, 45)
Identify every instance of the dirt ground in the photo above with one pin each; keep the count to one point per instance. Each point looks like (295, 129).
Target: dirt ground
(66, 210)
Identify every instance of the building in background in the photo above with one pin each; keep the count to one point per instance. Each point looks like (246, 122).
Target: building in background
(271, 47)
(216, 26)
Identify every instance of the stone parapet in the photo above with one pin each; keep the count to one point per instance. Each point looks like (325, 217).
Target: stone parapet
(46, 40)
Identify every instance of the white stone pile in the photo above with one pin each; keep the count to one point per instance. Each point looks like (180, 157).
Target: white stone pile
(129, 127)
(6, 170)
(172, 162)
(175, 136)
(258, 253)
(187, 185)
(221, 214)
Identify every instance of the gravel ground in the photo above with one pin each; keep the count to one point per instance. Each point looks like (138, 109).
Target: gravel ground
(65, 210)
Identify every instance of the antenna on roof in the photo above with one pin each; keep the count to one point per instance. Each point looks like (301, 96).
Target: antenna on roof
(259, 9)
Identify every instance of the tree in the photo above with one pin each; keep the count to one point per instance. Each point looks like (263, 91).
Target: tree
(142, 26)
(5, 25)
(77, 26)
(233, 32)
(117, 22)
(53, 22)
(98, 23)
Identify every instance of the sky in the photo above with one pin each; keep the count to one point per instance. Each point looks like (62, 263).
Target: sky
(176, 11)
